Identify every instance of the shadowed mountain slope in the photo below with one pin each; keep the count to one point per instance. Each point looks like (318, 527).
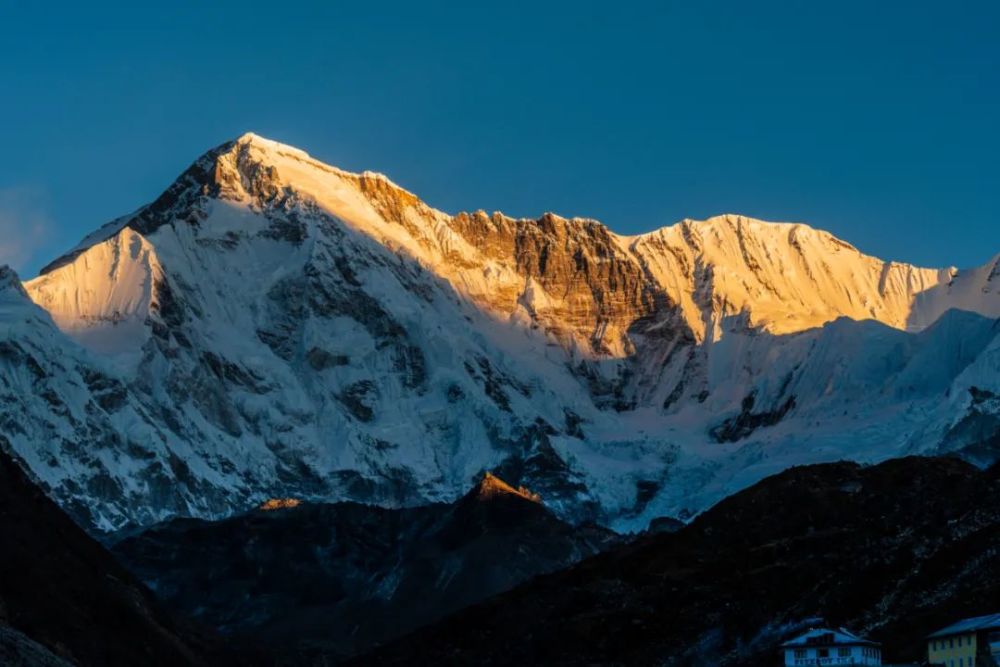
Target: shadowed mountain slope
(893, 551)
(65, 600)
(316, 582)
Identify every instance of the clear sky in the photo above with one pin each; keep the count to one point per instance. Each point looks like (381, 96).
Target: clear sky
(875, 120)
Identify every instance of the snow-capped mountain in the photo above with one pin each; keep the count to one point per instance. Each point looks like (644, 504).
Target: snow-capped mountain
(273, 326)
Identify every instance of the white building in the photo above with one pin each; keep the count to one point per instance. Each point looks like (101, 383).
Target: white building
(823, 646)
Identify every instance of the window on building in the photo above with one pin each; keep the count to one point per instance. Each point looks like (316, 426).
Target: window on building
(843, 651)
(800, 653)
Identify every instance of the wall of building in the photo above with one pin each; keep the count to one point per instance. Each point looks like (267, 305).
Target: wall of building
(957, 651)
(812, 655)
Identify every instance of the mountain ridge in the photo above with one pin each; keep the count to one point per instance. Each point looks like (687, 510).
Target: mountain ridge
(252, 138)
(248, 169)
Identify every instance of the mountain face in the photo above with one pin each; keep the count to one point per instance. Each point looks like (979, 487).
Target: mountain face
(271, 326)
(316, 583)
(64, 600)
(894, 551)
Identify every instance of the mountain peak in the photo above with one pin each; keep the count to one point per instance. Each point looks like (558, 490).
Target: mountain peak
(747, 226)
(11, 289)
(257, 168)
(10, 280)
(491, 487)
(250, 137)
(263, 143)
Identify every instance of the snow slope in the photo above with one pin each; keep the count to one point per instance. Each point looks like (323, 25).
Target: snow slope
(278, 327)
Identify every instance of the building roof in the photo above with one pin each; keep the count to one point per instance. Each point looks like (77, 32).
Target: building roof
(828, 637)
(974, 624)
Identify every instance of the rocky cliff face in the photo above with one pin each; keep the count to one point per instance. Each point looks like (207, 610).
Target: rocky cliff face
(272, 326)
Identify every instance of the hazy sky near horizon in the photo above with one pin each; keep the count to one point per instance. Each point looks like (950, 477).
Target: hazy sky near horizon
(877, 121)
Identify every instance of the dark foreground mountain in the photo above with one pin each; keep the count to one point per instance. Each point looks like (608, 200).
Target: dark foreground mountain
(314, 582)
(893, 551)
(64, 600)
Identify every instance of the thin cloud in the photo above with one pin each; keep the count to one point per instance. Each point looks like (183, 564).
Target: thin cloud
(24, 224)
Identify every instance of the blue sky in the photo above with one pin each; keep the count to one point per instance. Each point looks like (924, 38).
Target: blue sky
(875, 120)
